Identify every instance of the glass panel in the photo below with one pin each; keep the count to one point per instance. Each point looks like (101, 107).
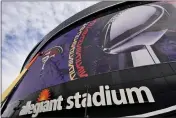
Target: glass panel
(137, 36)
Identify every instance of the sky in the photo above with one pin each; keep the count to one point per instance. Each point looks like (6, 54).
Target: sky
(24, 24)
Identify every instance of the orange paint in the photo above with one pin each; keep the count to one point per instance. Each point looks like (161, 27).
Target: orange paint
(32, 61)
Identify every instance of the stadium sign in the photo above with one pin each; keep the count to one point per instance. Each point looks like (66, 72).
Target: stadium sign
(78, 101)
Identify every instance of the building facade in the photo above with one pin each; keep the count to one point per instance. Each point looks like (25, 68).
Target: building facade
(113, 59)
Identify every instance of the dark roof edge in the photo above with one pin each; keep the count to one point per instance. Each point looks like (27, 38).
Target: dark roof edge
(72, 20)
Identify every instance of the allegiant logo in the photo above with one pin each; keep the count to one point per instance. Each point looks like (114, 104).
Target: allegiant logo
(106, 97)
(44, 95)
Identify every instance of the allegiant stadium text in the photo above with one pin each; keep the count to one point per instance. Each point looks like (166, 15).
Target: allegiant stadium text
(103, 97)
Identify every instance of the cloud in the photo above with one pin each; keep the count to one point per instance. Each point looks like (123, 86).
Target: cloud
(23, 26)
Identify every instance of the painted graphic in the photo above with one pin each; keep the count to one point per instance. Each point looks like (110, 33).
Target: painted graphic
(137, 36)
(50, 53)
